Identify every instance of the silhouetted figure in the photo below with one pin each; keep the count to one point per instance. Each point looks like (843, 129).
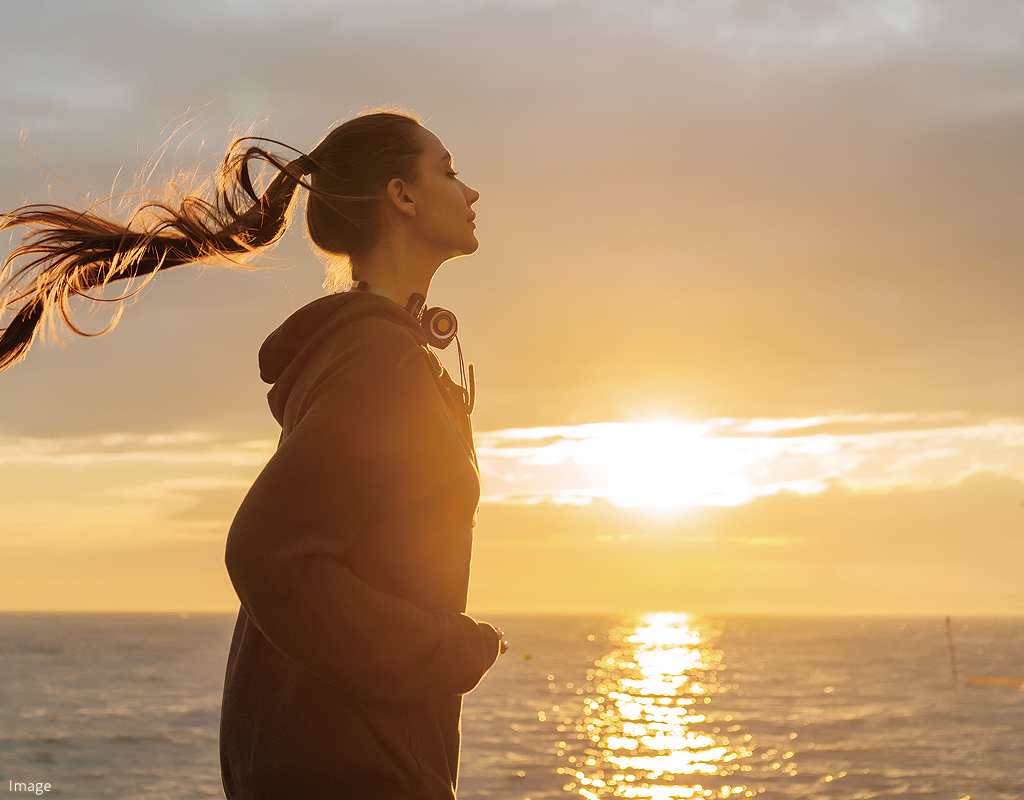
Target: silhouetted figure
(350, 553)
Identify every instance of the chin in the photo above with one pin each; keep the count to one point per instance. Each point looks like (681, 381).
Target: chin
(467, 248)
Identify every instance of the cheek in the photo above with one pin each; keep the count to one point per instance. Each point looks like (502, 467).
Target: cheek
(455, 196)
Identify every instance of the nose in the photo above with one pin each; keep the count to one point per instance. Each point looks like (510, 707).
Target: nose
(472, 195)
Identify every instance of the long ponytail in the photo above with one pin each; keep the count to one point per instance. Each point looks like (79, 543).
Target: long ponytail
(72, 252)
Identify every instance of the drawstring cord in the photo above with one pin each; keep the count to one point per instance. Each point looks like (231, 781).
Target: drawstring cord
(468, 385)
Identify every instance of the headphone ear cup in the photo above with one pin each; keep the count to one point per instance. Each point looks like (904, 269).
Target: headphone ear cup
(439, 326)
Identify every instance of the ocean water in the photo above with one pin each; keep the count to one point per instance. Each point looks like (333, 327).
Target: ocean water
(663, 706)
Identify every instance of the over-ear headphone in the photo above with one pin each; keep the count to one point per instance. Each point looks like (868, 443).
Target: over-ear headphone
(439, 325)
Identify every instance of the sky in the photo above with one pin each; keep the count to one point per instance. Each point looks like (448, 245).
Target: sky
(746, 312)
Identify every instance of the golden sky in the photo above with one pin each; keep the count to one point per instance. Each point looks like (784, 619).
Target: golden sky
(746, 313)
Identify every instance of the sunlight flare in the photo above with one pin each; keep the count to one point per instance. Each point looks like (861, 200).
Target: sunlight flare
(674, 465)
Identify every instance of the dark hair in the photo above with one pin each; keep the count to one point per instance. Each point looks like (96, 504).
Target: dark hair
(356, 160)
(72, 252)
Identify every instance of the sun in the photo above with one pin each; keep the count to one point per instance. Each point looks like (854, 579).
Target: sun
(665, 465)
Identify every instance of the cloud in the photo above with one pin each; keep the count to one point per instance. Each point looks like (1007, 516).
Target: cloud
(701, 208)
(933, 537)
(180, 447)
(123, 489)
(727, 462)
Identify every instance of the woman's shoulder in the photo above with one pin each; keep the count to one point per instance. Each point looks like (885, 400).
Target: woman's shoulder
(346, 348)
(379, 340)
(348, 323)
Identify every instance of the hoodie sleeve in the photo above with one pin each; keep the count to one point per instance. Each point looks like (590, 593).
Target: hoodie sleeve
(349, 418)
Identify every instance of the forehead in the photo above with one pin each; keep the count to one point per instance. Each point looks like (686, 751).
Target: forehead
(433, 148)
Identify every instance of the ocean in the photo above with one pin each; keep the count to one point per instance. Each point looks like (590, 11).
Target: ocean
(666, 706)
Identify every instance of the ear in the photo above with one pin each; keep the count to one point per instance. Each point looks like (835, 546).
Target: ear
(400, 198)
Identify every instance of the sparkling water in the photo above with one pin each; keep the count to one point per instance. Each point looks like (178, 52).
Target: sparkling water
(665, 706)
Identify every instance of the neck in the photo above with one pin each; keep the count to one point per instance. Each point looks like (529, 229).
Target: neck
(399, 263)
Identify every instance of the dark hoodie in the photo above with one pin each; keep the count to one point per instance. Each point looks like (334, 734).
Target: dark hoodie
(350, 555)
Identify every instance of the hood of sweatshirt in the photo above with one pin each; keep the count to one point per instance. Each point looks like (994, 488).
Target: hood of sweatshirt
(286, 350)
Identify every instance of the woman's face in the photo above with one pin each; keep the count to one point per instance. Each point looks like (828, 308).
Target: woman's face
(444, 204)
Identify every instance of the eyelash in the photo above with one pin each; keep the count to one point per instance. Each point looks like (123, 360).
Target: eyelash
(452, 173)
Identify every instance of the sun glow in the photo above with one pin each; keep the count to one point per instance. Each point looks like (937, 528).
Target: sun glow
(671, 465)
(663, 465)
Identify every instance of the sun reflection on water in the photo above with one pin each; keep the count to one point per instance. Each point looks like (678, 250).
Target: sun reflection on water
(650, 723)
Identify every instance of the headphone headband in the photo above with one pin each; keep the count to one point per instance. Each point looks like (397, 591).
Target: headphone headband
(363, 286)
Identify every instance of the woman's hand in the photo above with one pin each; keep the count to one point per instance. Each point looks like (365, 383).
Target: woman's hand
(502, 642)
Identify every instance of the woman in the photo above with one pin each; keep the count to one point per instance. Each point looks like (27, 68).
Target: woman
(350, 554)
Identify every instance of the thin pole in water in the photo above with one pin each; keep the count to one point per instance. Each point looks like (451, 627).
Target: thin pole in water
(952, 651)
